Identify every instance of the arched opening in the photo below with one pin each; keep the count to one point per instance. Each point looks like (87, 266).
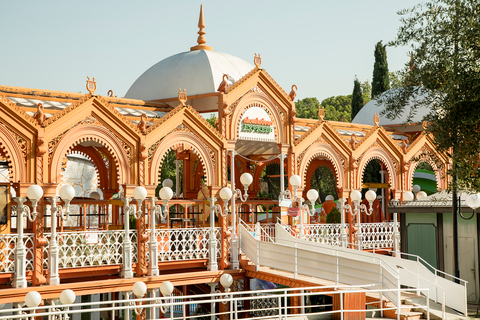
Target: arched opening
(425, 177)
(270, 182)
(375, 175)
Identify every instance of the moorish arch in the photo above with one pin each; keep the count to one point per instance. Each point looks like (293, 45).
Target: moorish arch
(317, 150)
(96, 134)
(256, 99)
(186, 140)
(98, 162)
(422, 157)
(383, 157)
(10, 148)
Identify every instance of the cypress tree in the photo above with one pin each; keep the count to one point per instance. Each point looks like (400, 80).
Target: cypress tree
(381, 80)
(357, 98)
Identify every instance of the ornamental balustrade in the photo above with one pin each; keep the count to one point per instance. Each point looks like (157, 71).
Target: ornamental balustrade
(8, 243)
(90, 248)
(184, 244)
(379, 235)
(328, 233)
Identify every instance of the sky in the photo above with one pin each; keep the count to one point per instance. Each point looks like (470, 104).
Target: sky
(320, 45)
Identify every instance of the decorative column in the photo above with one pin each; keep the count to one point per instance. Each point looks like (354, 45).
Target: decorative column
(127, 243)
(20, 280)
(153, 266)
(177, 178)
(213, 286)
(384, 203)
(343, 234)
(235, 252)
(282, 174)
(54, 278)
(212, 262)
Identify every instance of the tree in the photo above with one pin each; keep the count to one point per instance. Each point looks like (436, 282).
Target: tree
(396, 79)
(357, 98)
(366, 91)
(380, 82)
(307, 108)
(338, 108)
(445, 72)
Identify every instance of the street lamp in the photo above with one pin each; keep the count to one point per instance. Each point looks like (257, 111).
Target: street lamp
(312, 196)
(225, 194)
(166, 288)
(34, 194)
(32, 300)
(67, 193)
(139, 194)
(166, 194)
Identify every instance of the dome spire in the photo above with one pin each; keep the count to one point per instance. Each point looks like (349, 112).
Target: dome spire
(201, 34)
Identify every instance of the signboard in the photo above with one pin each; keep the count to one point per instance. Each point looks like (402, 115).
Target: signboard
(286, 203)
(376, 185)
(256, 125)
(91, 237)
(294, 212)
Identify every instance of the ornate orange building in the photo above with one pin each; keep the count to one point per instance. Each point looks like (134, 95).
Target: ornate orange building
(127, 139)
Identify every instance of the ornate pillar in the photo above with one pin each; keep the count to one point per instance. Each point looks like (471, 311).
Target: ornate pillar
(38, 277)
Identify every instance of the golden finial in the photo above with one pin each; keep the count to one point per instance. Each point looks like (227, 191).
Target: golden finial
(293, 93)
(91, 85)
(321, 113)
(376, 119)
(182, 96)
(257, 60)
(201, 40)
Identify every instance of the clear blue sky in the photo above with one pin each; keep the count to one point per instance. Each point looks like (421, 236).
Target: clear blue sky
(318, 45)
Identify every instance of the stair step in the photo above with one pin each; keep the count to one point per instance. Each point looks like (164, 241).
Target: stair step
(412, 315)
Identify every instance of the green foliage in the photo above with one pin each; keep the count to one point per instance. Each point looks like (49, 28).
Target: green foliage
(212, 120)
(366, 91)
(372, 172)
(333, 216)
(338, 108)
(445, 40)
(396, 79)
(357, 98)
(272, 190)
(307, 108)
(381, 81)
(323, 180)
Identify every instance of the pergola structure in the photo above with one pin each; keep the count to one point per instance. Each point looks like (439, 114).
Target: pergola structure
(127, 140)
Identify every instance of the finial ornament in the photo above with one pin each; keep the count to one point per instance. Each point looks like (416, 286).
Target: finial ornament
(40, 116)
(293, 93)
(257, 60)
(182, 96)
(224, 84)
(353, 140)
(376, 119)
(91, 85)
(201, 40)
(142, 125)
(321, 113)
(110, 93)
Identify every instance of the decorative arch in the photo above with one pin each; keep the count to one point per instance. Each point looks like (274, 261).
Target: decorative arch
(98, 134)
(322, 149)
(190, 141)
(428, 159)
(256, 99)
(258, 172)
(382, 155)
(13, 153)
(97, 161)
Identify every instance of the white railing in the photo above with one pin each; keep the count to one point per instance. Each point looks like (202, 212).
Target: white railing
(90, 248)
(378, 235)
(327, 233)
(184, 244)
(8, 243)
(235, 305)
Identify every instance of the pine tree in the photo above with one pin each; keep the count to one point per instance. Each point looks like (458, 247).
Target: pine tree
(357, 98)
(381, 80)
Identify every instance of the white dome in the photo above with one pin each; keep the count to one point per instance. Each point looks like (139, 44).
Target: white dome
(198, 71)
(365, 115)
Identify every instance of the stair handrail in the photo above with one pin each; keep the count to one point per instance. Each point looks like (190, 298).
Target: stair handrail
(436, 271)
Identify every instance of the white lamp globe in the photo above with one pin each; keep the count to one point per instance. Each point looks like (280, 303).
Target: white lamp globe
(477, 200)
(295, 180)
(33, 299)
(140, 193)
(416, 189)
(67, 192)
(226, 194)
(166, 193)
(67, 296)
(312, 195)
(473, 201)
(167, 183)
(95, 195)
(329, 198)
(246, 179)
(421, 195)
(407, 196)
(166, 288)
(226, 280)
(139, 289)
(370, 195)
(34, 192)
(356, 195)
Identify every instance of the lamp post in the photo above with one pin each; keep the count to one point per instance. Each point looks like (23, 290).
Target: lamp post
(67, 192)
(34, 194)
(312, 196)
(139, 193)
(225, 193)
(245, 179)
(226, 280)
(32, 300)
(166, 289)
(166, 194)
